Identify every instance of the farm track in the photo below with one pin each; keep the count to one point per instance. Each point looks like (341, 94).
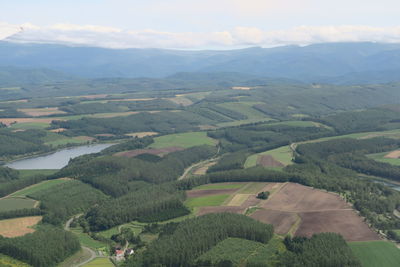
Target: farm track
(190, 168)
(93, 254)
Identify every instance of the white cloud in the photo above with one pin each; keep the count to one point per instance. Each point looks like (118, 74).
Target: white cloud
(110, 37)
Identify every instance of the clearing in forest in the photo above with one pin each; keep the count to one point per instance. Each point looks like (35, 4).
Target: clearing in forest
(278, 157)
(141, 134)
(393, 155)
(18, 226)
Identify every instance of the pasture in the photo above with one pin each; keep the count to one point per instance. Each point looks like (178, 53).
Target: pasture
(38, 187)
(99, 262)
(18, 226)
(376, 253)
(80, 256)
(185, 140)
(16, 203)
(86, 240)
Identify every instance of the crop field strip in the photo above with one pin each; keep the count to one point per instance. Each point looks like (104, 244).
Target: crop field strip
(18, 226)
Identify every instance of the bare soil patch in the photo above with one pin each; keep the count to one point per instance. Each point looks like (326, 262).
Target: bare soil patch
(142, 134)
(203, 169)
(58, 130)
(93, 96)
(38, 112)
(154, 151)
(9, 121)
(319, 212)
(268, 161)
(19, 226)
(344, 222)
(231, 209)
(298, 198)
(241, 88)
(209, 192)
(281, 220)
(130, 99)
(393, 155)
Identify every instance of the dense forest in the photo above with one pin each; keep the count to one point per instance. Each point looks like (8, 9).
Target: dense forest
(195, 236)
(113, 175)
(326, 249)
(44, 248)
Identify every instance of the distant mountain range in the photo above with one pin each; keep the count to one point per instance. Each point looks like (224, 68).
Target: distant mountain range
(339, 63)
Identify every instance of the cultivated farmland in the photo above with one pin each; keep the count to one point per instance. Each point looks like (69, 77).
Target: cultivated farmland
(19, 226)
(16, 203)
(291, 208)
(376, 253)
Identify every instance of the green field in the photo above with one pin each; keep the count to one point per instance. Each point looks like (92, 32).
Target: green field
(376, 253)
(245, 108)
(242, 252)
(282, 154)
(7, 204)
(6, 261)
(75, 259)
(183, 140)
(55, 139)
(30, 125)
(86, 240)
(38, 187)
(206, 201)
(381, 157)
(99, 262)
(242, 122)
(218, 186)
(136, 227)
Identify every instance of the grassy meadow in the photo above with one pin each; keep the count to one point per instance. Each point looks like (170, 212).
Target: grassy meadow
(185, 140)
(376, 253)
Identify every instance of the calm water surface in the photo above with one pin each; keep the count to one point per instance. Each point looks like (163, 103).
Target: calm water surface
(56, 160)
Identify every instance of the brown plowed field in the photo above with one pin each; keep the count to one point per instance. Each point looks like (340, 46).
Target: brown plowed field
(231, 209)
(298, 198)
(268, 161)
(319, 212)
(209, 192)
(345, 222)
(281, 220)
(18, 226)
(393, 155)
(154, 151)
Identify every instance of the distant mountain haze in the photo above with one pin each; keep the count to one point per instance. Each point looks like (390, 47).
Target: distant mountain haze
(341, 63)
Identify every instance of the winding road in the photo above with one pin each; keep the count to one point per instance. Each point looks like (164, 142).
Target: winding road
(93, 255)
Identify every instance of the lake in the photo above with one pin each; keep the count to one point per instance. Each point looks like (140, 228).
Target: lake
(55, 160)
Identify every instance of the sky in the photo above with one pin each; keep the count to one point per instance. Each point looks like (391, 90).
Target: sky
(199, 24)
